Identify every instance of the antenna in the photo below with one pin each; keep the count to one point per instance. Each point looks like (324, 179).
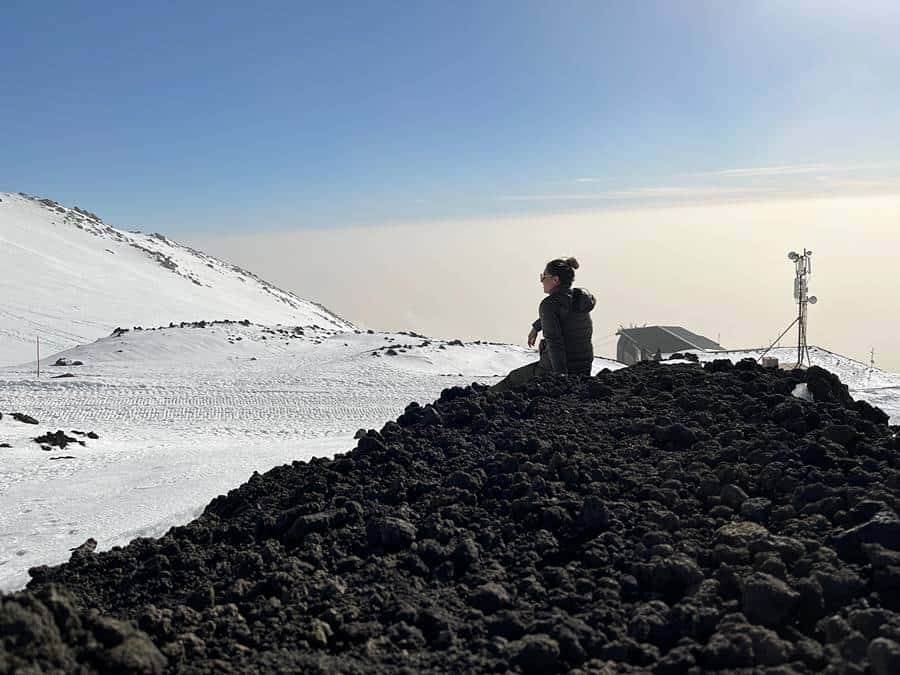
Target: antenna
(802, 270)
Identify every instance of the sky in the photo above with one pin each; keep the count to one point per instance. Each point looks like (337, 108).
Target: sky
(326, 124)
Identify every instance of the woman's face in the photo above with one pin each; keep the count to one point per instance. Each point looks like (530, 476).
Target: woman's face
(549, 282)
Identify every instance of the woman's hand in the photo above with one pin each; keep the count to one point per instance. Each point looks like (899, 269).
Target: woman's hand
(532, 336)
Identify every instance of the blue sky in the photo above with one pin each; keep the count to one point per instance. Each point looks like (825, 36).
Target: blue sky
(236, 116)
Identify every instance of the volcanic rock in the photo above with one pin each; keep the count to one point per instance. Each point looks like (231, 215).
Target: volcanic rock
(490, 598)
(536, 654)
(768, 600)
(394, 534)
(62, 361)
(25, 419)
(733, 497)
(660, 518)
(56, 439)
(882, 529)
(884, 655)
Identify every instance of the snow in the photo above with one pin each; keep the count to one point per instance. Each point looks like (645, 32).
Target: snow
(185, 414)
(69, 279)
(802, 392)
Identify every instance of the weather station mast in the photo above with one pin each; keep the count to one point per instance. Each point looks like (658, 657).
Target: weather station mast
(803, 264)
(802, 271)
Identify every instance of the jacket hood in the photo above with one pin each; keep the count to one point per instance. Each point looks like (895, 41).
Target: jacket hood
(582, 300)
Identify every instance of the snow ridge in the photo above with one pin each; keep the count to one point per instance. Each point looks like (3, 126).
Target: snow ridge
(70, 278)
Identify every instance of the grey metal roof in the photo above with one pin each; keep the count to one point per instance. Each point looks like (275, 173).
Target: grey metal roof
(667, 339)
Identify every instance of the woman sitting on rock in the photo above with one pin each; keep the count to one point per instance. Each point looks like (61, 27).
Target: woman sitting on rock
(564, 317)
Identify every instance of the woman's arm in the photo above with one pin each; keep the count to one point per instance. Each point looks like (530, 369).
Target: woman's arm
(532, 335)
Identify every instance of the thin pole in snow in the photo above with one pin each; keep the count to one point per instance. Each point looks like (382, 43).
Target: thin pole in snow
(38, 341)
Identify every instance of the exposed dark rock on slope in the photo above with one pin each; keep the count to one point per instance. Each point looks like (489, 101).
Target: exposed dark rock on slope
(659, 519)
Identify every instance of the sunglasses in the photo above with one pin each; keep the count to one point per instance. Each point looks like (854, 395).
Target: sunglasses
(544, 275)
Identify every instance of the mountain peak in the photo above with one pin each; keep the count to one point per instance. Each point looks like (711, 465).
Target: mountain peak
(71, 278)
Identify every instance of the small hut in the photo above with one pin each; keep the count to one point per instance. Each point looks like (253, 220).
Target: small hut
(649, 342)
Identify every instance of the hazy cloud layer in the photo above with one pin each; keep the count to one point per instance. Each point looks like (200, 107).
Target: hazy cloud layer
(763, 183)
(720, 270)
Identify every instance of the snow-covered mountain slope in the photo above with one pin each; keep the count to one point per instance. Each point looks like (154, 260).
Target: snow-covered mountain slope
(876, 386)
(185, 414)
(68, 278)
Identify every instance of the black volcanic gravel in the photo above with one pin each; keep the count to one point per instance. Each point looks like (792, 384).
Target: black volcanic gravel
(662, 519)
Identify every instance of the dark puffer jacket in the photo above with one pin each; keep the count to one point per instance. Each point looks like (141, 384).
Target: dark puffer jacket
(565, 318)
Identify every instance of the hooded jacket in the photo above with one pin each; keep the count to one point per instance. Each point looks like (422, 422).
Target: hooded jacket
(565, 319)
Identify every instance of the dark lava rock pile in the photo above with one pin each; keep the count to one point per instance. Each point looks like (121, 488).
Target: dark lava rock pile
(662, 519)
(59, 439)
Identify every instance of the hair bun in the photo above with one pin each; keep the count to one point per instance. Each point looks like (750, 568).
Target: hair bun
(572, 263)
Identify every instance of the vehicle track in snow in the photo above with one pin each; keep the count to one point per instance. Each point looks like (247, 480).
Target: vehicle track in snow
(326, 403)
(162, 405)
